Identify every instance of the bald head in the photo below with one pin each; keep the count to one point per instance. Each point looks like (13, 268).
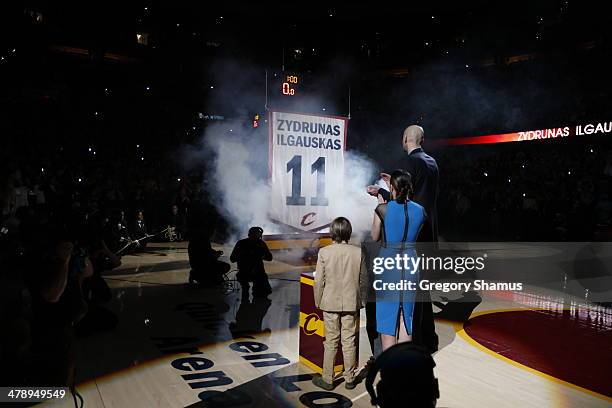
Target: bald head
(413, 137)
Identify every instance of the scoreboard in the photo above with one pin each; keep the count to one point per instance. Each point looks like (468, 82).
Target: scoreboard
(290, 84)
(286, 86)
(308, 92)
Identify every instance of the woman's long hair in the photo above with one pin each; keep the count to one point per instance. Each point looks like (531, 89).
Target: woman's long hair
(402, 184)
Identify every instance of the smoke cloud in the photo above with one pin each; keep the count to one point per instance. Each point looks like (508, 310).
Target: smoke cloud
(237, 176)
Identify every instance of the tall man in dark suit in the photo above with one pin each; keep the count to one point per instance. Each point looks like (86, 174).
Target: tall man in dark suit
(424, 171)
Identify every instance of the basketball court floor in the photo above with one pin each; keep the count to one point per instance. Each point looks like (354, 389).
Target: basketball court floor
(175, 342)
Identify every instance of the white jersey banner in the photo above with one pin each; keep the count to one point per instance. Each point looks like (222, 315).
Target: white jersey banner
(306, 168)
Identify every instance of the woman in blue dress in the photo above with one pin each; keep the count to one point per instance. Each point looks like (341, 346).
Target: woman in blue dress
(397, 225)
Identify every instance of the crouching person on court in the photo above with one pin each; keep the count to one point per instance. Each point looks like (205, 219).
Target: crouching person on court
(338, 287)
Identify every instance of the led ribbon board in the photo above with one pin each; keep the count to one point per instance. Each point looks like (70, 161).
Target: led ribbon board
(532, 135)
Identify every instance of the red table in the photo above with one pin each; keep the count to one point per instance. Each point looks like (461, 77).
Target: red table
(312, 329)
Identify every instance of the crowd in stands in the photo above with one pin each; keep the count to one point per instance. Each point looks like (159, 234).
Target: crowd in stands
(548, 191)
(65, 222)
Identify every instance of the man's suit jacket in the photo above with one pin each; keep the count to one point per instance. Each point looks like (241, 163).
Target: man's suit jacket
(424, 171)
(139, 229)
(340, 279)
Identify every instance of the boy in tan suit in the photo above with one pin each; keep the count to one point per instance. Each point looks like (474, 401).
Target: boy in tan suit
(338, 293)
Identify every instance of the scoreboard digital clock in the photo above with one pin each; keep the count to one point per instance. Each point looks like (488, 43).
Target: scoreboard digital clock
(285, 84)
(307, 92)
(291, 90)
(289, 85)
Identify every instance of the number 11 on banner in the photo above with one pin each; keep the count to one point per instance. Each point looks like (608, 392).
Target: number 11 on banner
(294, 166)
